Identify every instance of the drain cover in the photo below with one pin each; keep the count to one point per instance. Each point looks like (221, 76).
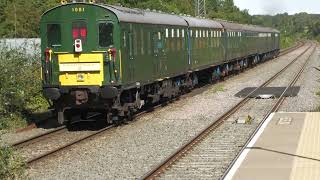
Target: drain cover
(268, 92)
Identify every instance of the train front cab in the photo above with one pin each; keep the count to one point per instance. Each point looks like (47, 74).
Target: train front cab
(79, 56)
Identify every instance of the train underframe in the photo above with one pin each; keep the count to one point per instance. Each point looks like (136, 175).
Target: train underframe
(118, 104)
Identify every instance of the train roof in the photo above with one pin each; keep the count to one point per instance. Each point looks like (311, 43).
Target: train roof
(206, 23)
(134, 15)
(143, 16)
(230, 26)
(153, 17)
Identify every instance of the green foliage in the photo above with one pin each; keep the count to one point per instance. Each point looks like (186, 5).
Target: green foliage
(20, 18)
(216, 88)
(12, 166)
(20, 87)
(228, 11)
(292, 27)
(287, 41)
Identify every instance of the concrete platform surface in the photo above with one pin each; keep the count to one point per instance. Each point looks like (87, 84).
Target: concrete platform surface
(287, 146)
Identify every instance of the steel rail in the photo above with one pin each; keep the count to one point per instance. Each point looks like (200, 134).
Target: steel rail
(35, 138)
(181, 152)
(41, 136)
(37, 158)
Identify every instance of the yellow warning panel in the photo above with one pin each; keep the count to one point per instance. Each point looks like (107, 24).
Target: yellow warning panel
(307, 160)
(81, 69)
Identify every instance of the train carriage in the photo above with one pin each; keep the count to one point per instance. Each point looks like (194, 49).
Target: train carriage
(205, 42)
(116, 60)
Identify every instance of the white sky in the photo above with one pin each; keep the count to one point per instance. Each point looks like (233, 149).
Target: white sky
(279, 6)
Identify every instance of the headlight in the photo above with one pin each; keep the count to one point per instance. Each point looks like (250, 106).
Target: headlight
(80, 77)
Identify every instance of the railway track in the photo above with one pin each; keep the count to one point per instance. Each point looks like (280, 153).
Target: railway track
(60, 132)
(205, 135)
(290, 49)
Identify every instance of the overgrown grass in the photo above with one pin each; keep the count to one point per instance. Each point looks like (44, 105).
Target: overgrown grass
(286, 41)
(216, 88)
(12, 166)
(20, 87)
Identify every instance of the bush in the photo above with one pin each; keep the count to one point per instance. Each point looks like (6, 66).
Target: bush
(12, 166)
(286, 41)
(20, 87)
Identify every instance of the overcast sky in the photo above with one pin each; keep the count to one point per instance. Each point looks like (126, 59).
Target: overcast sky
(279, 6)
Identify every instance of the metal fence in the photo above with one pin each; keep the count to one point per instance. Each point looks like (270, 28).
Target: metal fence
(29, 46)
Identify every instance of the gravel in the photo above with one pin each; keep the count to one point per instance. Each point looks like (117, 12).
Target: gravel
(50, 143)
(128, 152)
(307, 99)
(12, 137)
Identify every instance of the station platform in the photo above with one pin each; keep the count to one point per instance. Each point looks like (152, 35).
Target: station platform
(287, 146)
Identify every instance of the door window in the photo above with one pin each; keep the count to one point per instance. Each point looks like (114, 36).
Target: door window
(105, 34)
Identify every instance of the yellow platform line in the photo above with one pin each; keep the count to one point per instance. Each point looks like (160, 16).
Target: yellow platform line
(307, 165)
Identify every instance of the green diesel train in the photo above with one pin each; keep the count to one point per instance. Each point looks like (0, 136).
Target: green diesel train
(115, 60)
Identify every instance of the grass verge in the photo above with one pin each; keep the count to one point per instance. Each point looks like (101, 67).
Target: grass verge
(12, 166)
(20, 87)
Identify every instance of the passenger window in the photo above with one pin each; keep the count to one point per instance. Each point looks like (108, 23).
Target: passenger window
(53, 34)
(105, 34)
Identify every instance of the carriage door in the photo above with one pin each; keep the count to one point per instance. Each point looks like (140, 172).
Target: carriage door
(130, 53)
(159, 54)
